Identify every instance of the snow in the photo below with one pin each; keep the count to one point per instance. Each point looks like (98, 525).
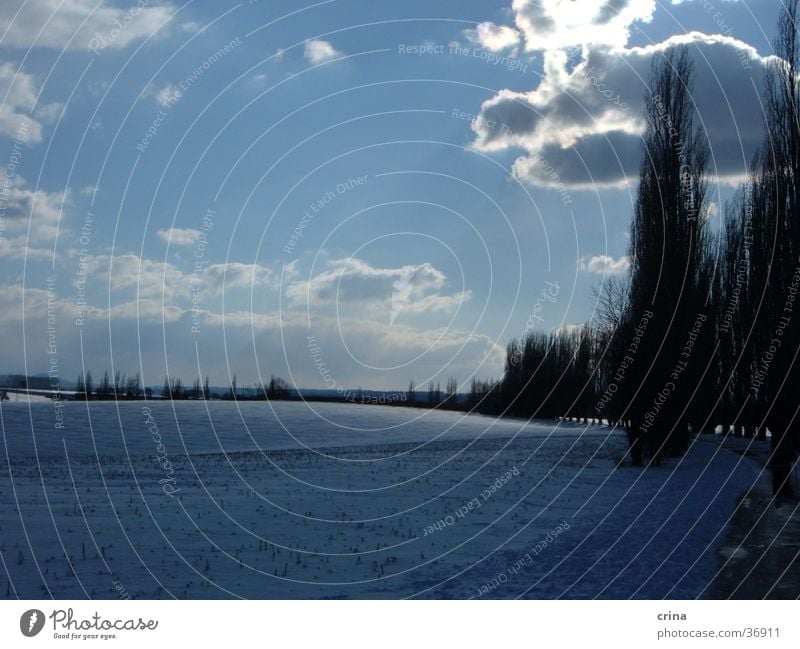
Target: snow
(21, 397)
(264, 500)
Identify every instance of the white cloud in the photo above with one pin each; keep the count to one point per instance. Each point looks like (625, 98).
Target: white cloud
(178, 236)
(604, 265)
(97, 88)
(19, 92)
(318, 51)
(258, 80)
(410, 288)
(35, 300)
(146, 278)
(493, 37)
(168, 95)
(18, 247)
(220, 277)
(126, 287)
(30, 216)
(432, 303)
(255, 321)
(78, 24)
(49, 113)
(132, 276)
(145, 309)
(558, 24)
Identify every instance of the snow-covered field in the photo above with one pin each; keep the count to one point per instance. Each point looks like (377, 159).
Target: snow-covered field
(16, 397)
(161, 500)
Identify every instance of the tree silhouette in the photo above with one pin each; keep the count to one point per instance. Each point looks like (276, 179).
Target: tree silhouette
(669, 246)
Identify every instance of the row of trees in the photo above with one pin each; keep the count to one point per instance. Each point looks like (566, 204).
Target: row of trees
(705, 329)
(759, 280)
(434, 396)
(478, 398)
(131, 388)
(121, 387)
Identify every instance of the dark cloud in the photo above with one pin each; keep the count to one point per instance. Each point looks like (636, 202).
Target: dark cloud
(610, 10)
(587, 121)
(595, 161)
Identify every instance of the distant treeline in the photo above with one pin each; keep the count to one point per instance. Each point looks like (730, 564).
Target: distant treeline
(121, 387)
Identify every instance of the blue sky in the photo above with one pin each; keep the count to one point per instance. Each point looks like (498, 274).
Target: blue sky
(342, 193)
